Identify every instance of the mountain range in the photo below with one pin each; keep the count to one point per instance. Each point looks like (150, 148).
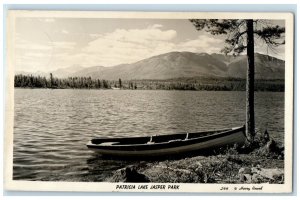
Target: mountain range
(182, 64)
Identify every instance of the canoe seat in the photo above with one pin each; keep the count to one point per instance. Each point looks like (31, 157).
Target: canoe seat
(187, 136)
(150, 142)
(109, 143)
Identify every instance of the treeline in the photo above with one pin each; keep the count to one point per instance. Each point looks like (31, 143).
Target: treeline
(196, 83)
(29, 81)
(210, 84)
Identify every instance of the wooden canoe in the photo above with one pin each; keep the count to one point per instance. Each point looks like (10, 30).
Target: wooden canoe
(165, 145)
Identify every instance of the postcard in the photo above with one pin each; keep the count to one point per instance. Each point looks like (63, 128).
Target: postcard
(149, 102)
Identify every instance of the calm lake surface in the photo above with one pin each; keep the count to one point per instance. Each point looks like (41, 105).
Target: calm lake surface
(52, 127)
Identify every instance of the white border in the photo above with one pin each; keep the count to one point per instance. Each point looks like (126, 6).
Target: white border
(91, 186)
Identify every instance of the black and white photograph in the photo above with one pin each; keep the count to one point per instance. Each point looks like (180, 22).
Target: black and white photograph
(149, 102)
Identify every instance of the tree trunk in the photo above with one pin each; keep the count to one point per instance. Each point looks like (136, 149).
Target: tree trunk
(250, 123)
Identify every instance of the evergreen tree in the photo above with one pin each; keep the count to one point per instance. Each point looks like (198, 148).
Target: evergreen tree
(120, 83)
(51, 80)
(240, 36)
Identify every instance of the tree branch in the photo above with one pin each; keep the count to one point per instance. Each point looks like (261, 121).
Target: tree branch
(271, 34)
(235, 31)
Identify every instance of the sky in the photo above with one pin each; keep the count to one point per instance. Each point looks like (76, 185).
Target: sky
(47, 44)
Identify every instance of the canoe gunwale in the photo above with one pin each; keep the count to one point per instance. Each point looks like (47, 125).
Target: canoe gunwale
(168, 144)
(113, 139)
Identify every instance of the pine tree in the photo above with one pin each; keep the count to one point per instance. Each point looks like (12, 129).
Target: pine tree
(51, 80)
(240, 37)
(120, 83)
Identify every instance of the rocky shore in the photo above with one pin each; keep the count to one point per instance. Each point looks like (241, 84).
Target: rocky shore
(262, 162)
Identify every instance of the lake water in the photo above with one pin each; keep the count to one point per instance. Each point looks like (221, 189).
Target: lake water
(52, 127)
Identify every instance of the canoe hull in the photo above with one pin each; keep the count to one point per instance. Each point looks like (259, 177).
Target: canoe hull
(226, 138)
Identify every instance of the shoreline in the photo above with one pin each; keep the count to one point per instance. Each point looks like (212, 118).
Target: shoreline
(142, 89)
(263, 164)
(219, 169)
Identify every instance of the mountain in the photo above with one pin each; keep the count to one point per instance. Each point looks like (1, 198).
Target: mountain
(188, 64)
(182, 64)
(266, 67)
(165, 66)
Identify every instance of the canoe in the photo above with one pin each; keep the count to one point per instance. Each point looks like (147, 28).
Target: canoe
(165, 145)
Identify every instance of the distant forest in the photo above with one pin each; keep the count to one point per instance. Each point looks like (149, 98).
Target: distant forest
(195, 83)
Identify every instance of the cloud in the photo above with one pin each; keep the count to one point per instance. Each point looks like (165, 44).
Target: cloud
(142, 35)
(126, 46)
(35, 56)
(154, 26)
(204, 43)
(26, 45)
(65, 32)
(94, 35)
